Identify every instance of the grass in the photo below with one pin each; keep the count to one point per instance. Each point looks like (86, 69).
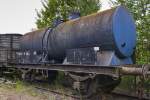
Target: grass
(22, 87)
(19, 86)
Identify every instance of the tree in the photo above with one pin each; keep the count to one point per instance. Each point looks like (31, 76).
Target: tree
(141, 12)
(53, 9)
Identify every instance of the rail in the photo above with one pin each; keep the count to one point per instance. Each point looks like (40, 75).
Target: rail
(115, 95)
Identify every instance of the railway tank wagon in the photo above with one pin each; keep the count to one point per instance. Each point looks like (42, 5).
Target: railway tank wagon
(103, 39)
(108, 31)
(106, 38)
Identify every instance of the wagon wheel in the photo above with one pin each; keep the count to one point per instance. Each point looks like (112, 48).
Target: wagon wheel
(34, 75)
(52, 75)
(99, 84)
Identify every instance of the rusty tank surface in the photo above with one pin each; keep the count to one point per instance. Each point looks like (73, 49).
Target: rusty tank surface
(112, 29)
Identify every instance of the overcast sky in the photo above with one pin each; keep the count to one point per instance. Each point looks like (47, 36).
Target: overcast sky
(18, 16)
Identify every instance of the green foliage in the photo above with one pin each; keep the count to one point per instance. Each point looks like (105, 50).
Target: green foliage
(60, 78)
(127, 83)
(19, 86)
(141, 12)
(53, 9)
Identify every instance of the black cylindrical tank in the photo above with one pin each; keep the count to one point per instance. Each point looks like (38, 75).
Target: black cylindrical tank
(113, 29)
(33, 40)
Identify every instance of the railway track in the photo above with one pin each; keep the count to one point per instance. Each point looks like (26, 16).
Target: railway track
(58, 93)
(115, 95)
